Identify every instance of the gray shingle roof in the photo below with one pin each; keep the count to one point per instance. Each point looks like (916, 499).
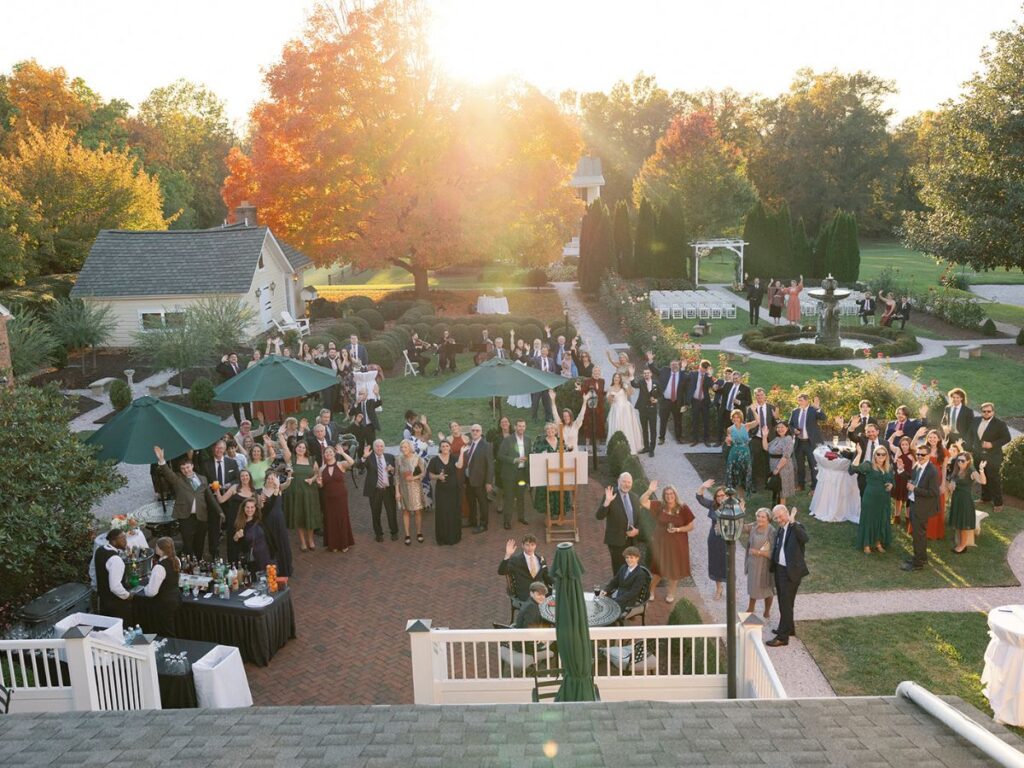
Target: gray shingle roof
(175, 262)
(882, 732)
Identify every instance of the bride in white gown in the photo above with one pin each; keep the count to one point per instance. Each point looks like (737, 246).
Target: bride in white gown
(622, 416)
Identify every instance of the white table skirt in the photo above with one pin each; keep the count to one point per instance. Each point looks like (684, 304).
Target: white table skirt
(1003, 676)
(836, 496)
(492, 305)
(220, 679)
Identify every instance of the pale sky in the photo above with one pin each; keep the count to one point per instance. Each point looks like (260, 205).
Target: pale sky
(125, 48)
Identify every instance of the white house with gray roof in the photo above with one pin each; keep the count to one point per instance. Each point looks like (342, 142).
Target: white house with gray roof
(150, 277)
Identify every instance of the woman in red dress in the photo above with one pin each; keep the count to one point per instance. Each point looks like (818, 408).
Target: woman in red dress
(793, 300)
(593, 415)
(334, 501)
(670, 550)
(936, 530)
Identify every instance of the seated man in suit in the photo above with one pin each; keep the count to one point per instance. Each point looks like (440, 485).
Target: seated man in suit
(524, 568)
(903, 308)
(866, 307)
(629, 582)
(529, 613)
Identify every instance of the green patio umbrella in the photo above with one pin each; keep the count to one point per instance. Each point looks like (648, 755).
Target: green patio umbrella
(498, 378)
(275, 378)
(148, 421)
(571, 628)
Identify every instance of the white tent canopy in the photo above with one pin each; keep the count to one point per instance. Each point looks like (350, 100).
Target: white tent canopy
(704, 247)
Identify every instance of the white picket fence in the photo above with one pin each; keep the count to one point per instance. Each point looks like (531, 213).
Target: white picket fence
(100, 675)
(661, 663)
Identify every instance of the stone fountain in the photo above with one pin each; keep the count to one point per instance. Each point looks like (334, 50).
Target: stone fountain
(830, 294)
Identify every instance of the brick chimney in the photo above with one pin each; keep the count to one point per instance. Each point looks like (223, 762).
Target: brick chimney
(245, 214)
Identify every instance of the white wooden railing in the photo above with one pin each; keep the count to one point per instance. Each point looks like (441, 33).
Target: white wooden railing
(79, 672)
(662, 663)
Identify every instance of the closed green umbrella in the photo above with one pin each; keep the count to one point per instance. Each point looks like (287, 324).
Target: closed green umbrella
(498, 378)
(148, 421)
(571, 628)
(275, 378)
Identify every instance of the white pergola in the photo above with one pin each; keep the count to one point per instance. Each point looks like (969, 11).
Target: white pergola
(704, 247)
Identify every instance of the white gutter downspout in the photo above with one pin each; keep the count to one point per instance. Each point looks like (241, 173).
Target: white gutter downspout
(962, 725)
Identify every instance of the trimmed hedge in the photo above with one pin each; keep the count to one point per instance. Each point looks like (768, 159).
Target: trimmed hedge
(373, 318)
(381, 354)
(770, 340)
(356, 303)
(684, 612)
(1012, 469)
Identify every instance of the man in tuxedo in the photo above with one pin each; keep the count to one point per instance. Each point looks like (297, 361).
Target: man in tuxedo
(732, 394)
(543, 362)
(763, 413)
(478, 466)
(789, 566)
(629, 581)
(903, 308)
(755, 295)
(957, 418)
(529, 613)
(647, 403)
(620, 508)
(868, 443)
(992, 436)
(446, 353)
(904, 425)
(803, 423)
(329, 395)
(858, 422)
(364, 415)
(194, 503)
(380, 488)
(331, 430)
(923, 490)
(229, 368)
(317, 442)
(866, 307)
(524, 568)
(357, 351)
(699, 396)
(514, 466)
(672, 388)
(224, 470)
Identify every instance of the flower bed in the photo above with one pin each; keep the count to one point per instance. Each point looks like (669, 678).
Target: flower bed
(771, 340)
(642, 328)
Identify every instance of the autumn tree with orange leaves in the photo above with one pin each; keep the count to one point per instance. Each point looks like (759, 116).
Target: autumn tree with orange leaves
(364, 154)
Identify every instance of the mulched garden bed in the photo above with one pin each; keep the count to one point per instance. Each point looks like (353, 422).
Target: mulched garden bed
(109, 363)
(941, 328)
(82, 405)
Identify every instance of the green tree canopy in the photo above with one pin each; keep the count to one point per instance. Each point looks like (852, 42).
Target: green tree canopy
(973, 181)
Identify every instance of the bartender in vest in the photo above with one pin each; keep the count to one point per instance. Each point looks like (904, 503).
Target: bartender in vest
(114, 597)
(161, 599)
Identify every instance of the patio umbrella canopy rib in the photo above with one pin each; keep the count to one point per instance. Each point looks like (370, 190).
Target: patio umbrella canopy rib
(275, 378)
(498, 378)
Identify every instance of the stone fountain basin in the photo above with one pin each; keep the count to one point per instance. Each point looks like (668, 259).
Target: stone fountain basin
(846, 343)
(820, 294)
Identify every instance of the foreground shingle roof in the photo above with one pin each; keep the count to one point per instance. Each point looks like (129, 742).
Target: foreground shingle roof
(861, 732)
(175, 262)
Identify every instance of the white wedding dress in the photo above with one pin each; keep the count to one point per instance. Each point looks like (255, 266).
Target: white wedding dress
(520, 401)
(622, 417)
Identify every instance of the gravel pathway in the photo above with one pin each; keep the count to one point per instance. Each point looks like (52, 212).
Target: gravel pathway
(1004, 294)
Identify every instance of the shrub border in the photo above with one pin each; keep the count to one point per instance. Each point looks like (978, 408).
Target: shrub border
(770, 340)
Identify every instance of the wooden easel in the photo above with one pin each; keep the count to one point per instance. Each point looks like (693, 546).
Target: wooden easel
(561, 478)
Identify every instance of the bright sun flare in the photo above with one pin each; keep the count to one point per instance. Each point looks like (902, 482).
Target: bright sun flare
(476, 41)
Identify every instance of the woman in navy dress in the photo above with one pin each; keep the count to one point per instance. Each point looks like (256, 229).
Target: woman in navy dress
(249, 531)
(717, 570)
(272, 509)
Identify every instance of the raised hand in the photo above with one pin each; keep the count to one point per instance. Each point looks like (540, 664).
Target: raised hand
(708, 483)
(923, 411)
(510, 548)
(653, 486)
(159, 453)
(609, 494)
(816, 401)
(855, 422)
(303, 424)
(366, 451)
(983, 464)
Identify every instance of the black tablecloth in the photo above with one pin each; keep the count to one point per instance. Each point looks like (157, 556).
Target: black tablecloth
(256, 632)
(177, 684)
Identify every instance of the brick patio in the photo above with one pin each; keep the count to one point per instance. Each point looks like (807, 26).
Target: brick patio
(351, 608)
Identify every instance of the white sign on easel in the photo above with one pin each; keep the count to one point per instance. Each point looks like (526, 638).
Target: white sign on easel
(540, 463)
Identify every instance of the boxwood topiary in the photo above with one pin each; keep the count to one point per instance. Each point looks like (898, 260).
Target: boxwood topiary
(120, 394)
(373, 317)
(381, 354)
(362, 327)
(356, 303)
(1012, 469)
(201, 394)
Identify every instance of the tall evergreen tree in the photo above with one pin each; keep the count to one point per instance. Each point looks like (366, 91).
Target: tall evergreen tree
(780, 239)
(643, 256)
(756, 260)
(623, 240)
(586, 246)
(803, 251)
(672, 247)
(600, 247)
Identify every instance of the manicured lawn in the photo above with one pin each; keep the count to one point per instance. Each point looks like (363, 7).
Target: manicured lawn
(488, 277)
(988, 378)
(765, 374)
(870, 656)
(919, 269)
(719, 267)
(719, 328)
(1005, 313)
(837, 565)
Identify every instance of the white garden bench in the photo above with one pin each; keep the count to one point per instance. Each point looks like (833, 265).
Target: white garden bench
(971, 350)
(102, 387)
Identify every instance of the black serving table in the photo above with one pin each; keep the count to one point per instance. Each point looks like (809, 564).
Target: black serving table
(258, 633)
(177, 684)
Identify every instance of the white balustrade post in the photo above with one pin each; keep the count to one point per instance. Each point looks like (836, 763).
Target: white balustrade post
(421, 646)
(749, 628)
(78, 650)
(149, 683)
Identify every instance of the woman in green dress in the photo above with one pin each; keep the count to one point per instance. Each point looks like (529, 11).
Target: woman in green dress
(546, 502)
(302, 499)
(875, 527)
(961, 506)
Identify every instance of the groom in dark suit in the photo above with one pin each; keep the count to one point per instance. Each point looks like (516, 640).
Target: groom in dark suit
(620, 508)
(647, 403)
(789, 566)
(923, 495)
(803, 425)
(672, 388)
(228, 368)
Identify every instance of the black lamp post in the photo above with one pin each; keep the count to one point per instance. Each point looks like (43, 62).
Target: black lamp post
(730, 525)
(592, 412)
(565, 314)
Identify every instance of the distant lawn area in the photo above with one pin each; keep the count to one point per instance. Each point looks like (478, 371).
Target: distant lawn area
(765, 374)
(988, 378)
(837, 565)
(920, 270)
(483, 278)
(870, 656)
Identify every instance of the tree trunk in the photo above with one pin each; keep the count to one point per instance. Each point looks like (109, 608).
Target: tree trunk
(419, 275)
